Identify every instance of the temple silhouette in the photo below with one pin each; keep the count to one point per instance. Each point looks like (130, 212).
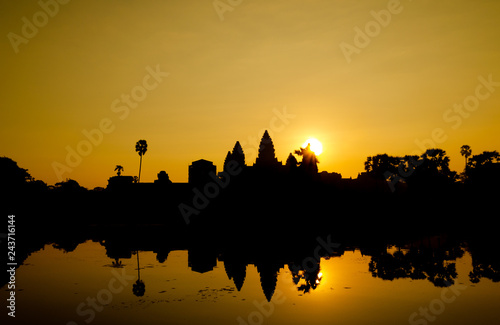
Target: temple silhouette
(269, 214)
(253, 191)
(202, 171)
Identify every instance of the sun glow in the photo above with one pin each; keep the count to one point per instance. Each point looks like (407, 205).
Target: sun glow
(316, 145)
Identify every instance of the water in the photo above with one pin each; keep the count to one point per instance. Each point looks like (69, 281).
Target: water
(431, 280)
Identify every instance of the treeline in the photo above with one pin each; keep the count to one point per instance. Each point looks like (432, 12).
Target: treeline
(15, 179)
(432, 170)
(411, 171)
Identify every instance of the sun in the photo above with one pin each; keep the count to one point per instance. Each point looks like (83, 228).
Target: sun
(316, 145)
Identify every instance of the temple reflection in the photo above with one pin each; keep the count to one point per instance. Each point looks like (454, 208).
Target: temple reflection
(428, 258)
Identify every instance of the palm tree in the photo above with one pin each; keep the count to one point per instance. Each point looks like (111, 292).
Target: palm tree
(309, 160)
(119, 169)
(141, 147)
(138, 288)
(465, 151)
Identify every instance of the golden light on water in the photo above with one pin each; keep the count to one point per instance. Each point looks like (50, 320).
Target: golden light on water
(320, 276)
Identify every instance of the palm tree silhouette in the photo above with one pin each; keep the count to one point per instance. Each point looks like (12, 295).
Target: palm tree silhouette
(119, 169)
(141, 147)
(465, 151)
(138, 288)
(309, 160)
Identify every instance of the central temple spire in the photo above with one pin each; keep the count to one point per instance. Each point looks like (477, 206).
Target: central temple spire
(266, 155)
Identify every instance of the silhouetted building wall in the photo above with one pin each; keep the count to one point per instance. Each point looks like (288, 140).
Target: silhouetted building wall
(330, 178)
(120, 183)
(199, 172)
(202, 259)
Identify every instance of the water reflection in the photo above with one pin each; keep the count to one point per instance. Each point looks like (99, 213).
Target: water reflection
(306, 279)
(430, 258)
(139, 288)
(117, 263)
(485, 260)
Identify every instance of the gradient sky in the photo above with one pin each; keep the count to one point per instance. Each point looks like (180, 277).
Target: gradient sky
(228, 78)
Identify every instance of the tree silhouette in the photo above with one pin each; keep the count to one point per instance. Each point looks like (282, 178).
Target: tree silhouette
(69, 186)
(309, 161)
(436, 160)
(11, 175)
(431, 169)
(484, 169)
(485, 158)
(465, 151)
(119, 169)
(382, 166)
(141, 147)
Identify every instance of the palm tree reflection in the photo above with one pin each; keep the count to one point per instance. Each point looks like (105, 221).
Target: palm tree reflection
(306, 278)
(139, 288)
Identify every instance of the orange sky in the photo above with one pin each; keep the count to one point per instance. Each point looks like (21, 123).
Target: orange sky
(191, 78)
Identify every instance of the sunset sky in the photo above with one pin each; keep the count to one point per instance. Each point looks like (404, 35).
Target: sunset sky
(200, 77)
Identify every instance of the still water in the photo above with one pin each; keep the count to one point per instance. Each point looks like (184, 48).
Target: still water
(415, 283)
